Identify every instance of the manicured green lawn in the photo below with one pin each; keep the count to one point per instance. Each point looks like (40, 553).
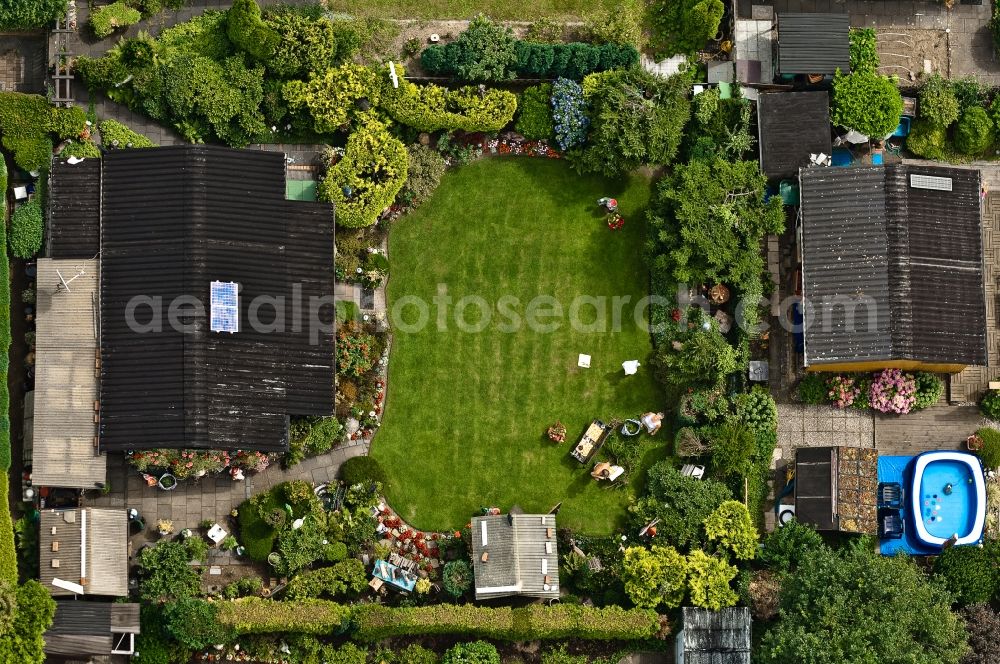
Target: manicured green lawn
(466, 412)
(501, 10)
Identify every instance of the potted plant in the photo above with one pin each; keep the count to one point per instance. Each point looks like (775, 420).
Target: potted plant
(974, 442)
(557, 432)
(167, 482)
(164, 527)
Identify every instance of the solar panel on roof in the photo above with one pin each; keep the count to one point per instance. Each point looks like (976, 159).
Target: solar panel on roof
(225, 310)
(930, 182)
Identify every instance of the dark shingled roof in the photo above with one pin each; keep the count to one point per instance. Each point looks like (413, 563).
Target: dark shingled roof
(891, 271)
(74, 209)
(82, 628)
(792, 126)
(813, 43)
(715, 637)
(175, 219)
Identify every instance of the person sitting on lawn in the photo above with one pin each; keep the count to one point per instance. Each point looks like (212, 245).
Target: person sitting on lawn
(652, 422)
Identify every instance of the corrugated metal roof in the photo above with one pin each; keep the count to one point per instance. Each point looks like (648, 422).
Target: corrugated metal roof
(105, 532)
(173, 220)
(716, 637)
(63, 451)
(891, 271)
(516, 545)
(74, 209)
(792, 125)
(82, 628)
(813, 43)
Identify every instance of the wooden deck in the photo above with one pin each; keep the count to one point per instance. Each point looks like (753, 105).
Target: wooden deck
(940, 427)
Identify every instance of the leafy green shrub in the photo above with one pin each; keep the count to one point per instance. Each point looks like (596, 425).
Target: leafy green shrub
(193, 623)
(164, 572)
(812, 389)
(30, 14)
(733, 445)
(682, 504)
(68, 122)
(26, 121)
(345, 654)
(683, 26)
(709, 580)
(114, 134)
(756, 409)
(785, 545)
(930, 388)
(5, 452)
(938, 103)
(347, 577)
(688, 443)
(330, 96)
(248, 585)
(702, 406)
(621, 24)
(545, 31)
(731, 526)
(866, 102)
(305, 45)
(477, 652)
(970, 572)
(704, 359)
(989, 405)
(372, 171)
(82, 150)
(990, 453)
(485, 51)
(33, 616)
(457, 577)
(864, 50)
(423, 176)
(105, 20)
(974, 132)
(534, 119)
(927, 140)
(26, 229)
(654, 576)
(983, 625)
(362, 470)
(636, 118)
(970, 92)
(248, 31)
(432, 107)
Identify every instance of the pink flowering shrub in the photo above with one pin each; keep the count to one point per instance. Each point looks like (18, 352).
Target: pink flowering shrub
(842, 391)
(893, 391)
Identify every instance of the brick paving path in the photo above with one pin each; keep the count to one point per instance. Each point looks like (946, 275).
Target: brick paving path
(209, 498)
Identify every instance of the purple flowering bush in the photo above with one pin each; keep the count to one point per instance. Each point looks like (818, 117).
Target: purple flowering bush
(568, 113)
(893, 391)
(842, 391)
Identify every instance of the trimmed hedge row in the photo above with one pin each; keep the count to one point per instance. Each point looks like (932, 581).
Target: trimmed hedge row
(535, 60)
(432, 107)
(4, 332)
(26, 229)
(253, 615)
(114, 134)
(368, 177)
(375, 622)
(8, 554)
(26, 122)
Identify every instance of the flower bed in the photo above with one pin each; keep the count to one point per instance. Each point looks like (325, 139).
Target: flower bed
(183, 464)
(890, 391)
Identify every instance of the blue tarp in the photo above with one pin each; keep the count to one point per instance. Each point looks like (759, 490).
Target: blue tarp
(896, 469)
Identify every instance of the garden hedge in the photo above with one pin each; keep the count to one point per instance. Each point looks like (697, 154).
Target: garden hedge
(375, 622)
(4, 332)
(253, 615)
(26, 229)
(8, 553)
(432, 107)
(105, 20)
(372, 171)
(29, 14)
(114, 134)
(534, 60)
